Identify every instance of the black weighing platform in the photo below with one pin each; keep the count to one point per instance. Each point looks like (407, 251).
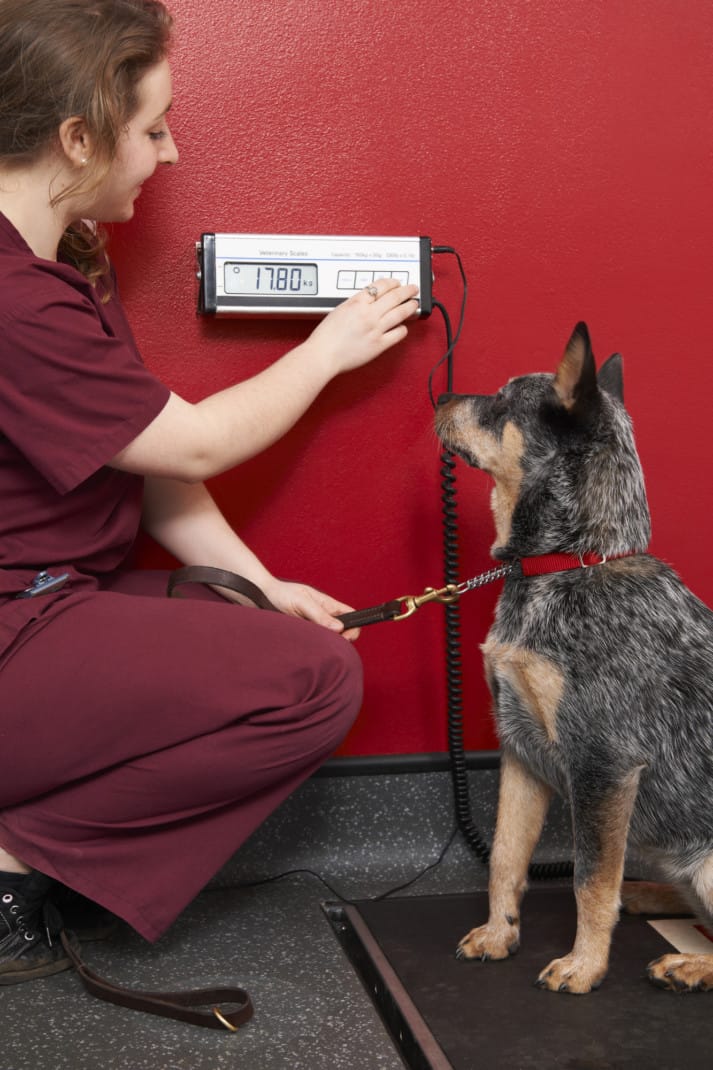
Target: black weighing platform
(445, 1014)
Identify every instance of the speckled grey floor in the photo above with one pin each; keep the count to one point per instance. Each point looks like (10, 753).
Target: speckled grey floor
(364, 834)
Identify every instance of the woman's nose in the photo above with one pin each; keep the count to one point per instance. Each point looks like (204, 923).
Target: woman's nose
(169, 152)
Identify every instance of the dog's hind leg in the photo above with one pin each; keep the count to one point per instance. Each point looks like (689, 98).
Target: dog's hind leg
(522, 807)
(648, 897)
(601, 825)
(689, 972)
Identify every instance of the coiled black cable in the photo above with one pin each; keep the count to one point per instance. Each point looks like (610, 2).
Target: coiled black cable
(454, 677)
(454, 688)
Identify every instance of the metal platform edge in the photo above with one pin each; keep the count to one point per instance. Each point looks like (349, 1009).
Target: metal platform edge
(412, 1038)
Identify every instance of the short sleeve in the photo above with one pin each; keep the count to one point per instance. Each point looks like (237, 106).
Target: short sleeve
(75, 390)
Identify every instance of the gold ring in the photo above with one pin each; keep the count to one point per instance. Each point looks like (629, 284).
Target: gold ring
(224, 1021)
(371, 289)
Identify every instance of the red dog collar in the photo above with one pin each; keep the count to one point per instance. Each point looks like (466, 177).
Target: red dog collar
(544, 563)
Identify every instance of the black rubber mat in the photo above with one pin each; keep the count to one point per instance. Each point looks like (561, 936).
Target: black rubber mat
(445, 1013)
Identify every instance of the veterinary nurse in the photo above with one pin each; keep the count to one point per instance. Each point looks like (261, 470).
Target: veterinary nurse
(142, 739)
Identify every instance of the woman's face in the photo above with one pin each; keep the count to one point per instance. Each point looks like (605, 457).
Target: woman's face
(145, 143)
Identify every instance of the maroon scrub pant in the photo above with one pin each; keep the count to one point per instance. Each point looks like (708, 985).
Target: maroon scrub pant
(143, 739)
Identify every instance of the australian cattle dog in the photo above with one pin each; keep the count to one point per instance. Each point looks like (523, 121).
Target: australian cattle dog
(600, 665)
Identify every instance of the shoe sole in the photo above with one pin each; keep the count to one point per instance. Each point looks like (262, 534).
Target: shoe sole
(18, 976)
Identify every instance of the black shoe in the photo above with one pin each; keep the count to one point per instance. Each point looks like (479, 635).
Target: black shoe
(30, 945)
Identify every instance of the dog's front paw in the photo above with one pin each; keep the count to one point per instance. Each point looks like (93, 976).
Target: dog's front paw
(571, 974)
(682, 973)
(490, 941)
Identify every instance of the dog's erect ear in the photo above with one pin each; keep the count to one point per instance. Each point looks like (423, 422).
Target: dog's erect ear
(611, 377)
(576, 376)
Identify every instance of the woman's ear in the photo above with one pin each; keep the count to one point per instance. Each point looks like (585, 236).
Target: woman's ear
(76, 141)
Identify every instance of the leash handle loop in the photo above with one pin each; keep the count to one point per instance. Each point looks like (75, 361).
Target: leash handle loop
(219, 577)
(214, 1008)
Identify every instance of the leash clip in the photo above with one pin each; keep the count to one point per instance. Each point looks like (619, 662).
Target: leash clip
(444, 595)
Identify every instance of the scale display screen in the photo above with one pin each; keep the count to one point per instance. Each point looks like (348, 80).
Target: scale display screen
(304, 274)
(245, 277)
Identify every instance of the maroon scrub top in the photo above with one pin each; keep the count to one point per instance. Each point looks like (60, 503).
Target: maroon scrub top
(73, 392)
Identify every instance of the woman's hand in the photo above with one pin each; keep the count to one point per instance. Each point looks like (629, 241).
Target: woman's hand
(364, 326)
(299, 600)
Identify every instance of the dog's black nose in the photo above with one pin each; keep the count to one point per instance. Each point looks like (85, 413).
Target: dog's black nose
(443, 398)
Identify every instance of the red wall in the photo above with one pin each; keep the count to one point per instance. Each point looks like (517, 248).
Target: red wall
(565, 148)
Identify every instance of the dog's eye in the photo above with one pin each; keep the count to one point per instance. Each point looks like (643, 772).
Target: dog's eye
(499, 404)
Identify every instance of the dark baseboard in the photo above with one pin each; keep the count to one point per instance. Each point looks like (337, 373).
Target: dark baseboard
(375, 764)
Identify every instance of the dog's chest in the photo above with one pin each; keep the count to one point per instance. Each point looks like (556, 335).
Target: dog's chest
(526, 680)
(524, 685)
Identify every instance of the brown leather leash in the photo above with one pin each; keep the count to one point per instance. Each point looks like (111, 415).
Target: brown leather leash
(405, 606)
(229, 1008)
(214, 1008)
(397, 609)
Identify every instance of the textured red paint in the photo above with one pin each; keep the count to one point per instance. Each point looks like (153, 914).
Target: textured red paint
(565, 149)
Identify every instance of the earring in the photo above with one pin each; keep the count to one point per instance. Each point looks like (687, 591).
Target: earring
(84, 161)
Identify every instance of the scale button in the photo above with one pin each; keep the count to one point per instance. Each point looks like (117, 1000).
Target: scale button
(345, 280)
(382, 275)
(363, 278)
(402, 276)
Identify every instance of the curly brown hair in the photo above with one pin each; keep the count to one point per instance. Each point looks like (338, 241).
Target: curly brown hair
(60, 58)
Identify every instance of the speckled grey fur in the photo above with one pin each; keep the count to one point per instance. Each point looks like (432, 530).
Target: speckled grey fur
(630, 644)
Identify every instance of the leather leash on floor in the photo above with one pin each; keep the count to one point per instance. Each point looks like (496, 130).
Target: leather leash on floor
(229, 1008)
(396, 609)
(214, 1008)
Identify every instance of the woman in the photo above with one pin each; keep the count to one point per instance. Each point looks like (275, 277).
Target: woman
(141, 739)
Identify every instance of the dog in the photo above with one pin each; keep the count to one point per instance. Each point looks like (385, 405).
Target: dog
(600, 666)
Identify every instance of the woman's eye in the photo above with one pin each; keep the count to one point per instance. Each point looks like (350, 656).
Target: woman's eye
(158, 135)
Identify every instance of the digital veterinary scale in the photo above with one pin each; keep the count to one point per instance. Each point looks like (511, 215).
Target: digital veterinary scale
(303, 274)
